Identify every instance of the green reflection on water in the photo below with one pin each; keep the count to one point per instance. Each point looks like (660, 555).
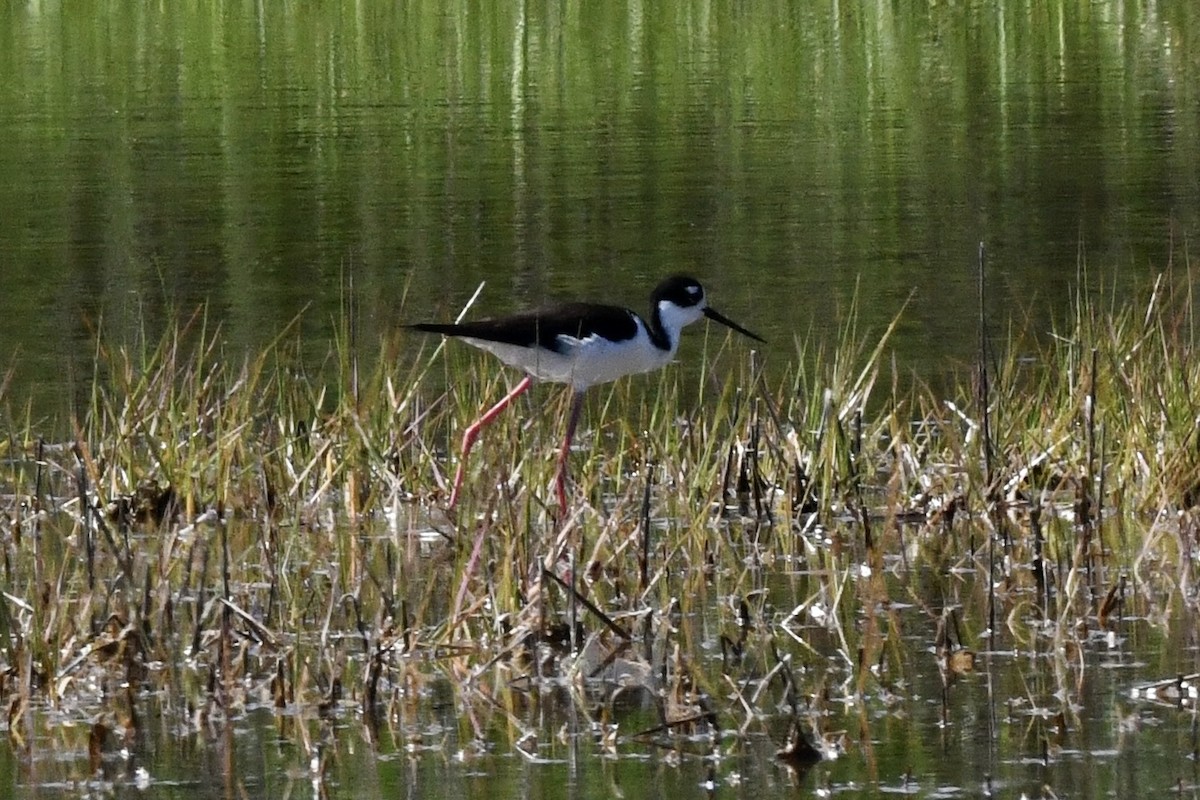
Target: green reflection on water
(252, 155)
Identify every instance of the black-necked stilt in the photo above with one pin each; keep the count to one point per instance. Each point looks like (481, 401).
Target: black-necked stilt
(582, 344)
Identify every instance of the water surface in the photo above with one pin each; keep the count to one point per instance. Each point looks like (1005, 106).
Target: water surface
(266, 160)
(271, 159)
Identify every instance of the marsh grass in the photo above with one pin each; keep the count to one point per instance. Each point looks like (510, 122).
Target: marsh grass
(226, 533)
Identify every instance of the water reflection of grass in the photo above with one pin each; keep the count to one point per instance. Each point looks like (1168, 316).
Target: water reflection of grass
(215, 536)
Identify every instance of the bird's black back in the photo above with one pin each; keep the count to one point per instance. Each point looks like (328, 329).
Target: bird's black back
(542, 328)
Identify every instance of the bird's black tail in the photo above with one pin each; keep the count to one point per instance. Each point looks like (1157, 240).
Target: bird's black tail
(448, 328)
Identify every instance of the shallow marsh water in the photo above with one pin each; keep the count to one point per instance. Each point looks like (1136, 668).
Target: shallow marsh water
(1046, 711)
(1031, 719)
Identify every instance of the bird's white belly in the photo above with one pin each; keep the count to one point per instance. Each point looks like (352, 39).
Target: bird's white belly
(586, 362)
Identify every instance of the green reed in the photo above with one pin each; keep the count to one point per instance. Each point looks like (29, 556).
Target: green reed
(273, 531)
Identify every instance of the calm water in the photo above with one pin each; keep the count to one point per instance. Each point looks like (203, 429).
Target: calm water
(257, 157)
(268, 159)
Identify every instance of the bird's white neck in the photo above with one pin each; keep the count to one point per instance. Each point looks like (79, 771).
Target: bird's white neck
(668, 321)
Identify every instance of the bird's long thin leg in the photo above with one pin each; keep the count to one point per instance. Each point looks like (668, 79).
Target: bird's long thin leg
(473, 433)
(561, 479)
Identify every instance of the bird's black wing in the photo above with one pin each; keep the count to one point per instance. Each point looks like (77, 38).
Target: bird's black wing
(543, 328)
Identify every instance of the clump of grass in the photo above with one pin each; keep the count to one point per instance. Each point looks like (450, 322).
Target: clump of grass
(251, 532)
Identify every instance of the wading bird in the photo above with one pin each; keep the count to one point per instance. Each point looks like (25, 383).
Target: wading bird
(581, 344)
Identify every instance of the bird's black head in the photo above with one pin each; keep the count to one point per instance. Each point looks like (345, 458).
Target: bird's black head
(682, 290)
(679, 300)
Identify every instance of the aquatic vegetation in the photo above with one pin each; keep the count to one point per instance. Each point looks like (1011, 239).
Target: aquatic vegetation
(765, 556)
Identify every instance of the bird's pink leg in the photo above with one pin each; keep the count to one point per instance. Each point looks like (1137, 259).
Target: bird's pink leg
(561, 479)
(473, 433)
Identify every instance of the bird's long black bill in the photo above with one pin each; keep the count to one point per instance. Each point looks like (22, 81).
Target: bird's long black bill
(716, 316)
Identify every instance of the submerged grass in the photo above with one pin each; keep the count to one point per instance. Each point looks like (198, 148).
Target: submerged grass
(212, 536)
